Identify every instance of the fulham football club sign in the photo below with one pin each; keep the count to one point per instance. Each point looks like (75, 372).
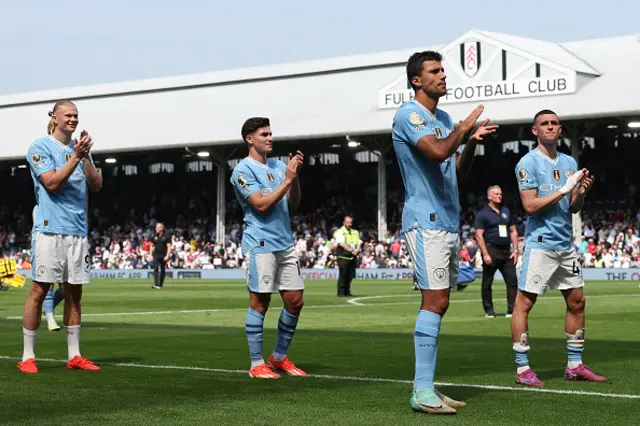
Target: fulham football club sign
(480, 67)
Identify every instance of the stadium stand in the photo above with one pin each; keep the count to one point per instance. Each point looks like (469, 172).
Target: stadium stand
(122, 220)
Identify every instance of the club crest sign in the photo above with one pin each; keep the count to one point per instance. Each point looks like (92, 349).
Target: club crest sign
(470, 57)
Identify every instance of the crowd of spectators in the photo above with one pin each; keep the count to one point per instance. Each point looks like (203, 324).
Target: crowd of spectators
(609, 240)
(123, 215)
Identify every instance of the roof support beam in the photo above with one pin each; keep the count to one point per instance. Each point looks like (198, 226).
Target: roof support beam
(220, 157)
(381, 147)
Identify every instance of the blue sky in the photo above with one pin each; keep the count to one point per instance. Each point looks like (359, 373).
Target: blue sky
(53, 44)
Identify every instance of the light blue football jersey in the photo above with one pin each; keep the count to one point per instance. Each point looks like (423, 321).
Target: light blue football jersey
(551, 229)
(263, 232)
(431, 188)
(64, 211)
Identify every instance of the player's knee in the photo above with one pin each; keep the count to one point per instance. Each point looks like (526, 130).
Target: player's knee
(524, 302)
(438, 305)
(294, 305)
(259, 306)
(260, 303)
(576, 305)
(443, 305)
(38, 292)
(72, 293)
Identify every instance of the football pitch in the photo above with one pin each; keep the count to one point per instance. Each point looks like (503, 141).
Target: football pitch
(179, 356)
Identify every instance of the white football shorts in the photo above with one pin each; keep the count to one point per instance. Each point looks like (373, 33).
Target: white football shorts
(60, 258)
(274, 272)
(436, 256)
(555, 269)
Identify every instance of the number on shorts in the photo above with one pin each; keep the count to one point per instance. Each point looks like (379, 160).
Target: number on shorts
(576, 268)
(299, 270)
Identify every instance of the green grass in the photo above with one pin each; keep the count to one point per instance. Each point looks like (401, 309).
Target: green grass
(334, 338)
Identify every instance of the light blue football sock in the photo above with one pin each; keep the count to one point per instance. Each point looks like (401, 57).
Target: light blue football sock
(254, 326)
(521, 351)
(57, 297)
(425, 338)
(286, 329)
(575, 347)
(48, 305)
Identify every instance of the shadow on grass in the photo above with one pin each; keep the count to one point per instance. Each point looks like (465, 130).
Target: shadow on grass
(321, 352)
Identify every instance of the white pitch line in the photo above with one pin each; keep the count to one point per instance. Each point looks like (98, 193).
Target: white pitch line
(355, 301)
(354, 378)
(351, 303)
(190, 311)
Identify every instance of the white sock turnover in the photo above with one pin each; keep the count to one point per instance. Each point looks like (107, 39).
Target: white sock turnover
(73, 340)
(29, 338)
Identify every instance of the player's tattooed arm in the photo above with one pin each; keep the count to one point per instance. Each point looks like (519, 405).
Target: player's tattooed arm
(465, 160)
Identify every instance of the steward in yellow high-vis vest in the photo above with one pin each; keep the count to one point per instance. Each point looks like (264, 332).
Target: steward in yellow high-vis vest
(347, 251)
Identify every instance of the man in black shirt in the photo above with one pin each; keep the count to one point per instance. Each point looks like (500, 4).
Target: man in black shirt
(161, 247)
(497, 239)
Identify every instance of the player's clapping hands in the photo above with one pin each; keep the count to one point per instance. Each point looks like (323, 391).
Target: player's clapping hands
(467, 124)
(573, 182)
(586, 183)
(295, 164)
(483, 130)
(83, 146)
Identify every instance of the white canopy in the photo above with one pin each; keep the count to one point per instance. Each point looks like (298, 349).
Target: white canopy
(513, 76)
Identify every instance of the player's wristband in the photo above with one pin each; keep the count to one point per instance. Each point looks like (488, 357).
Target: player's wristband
(565, 189)
(571, 183)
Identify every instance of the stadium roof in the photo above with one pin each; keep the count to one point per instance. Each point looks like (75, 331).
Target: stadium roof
(512, 76)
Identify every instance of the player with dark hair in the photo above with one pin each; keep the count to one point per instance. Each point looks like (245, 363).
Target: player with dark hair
(551, 189)
(267, 191)
(426, 142)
